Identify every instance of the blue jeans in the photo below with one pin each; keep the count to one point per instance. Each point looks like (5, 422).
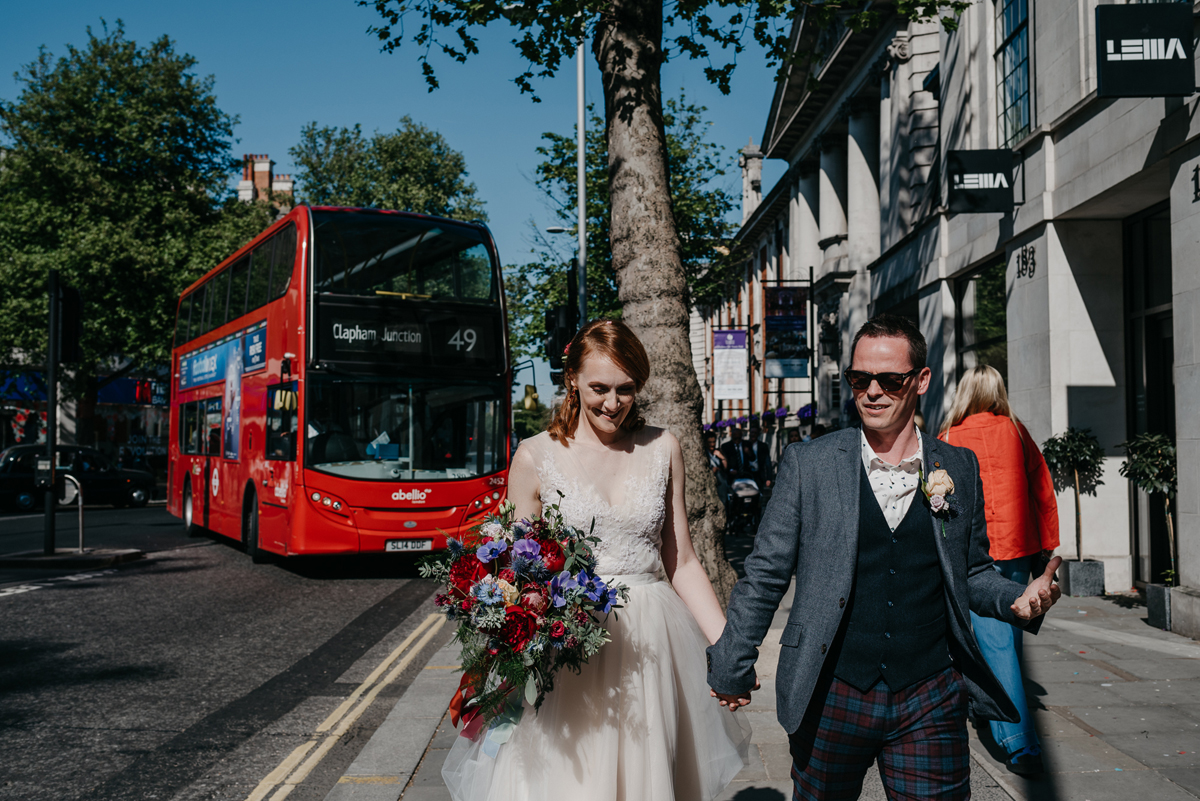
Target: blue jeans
(1000, 643)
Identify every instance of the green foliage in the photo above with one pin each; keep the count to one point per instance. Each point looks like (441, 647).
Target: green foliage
(412, 169)
(116, 161)
(698, 201)
(1075, 450)
(712, 31)
(1150, 464)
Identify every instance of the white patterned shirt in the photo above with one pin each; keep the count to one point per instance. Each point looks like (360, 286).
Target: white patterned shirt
(894, 485)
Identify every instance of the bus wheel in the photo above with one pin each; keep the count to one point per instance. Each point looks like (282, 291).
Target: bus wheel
(250, 532)
(189, 510)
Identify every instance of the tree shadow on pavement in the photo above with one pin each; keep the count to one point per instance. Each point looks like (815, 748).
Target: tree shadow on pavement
(343, 568)
(759, 794)
(32, 665)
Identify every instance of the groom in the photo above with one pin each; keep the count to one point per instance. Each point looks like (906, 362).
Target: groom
(878, 659)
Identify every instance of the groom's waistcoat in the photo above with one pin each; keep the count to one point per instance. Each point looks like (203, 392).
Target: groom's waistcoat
(895, 628)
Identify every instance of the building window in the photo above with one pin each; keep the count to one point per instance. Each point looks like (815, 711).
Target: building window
(983, 320)
(1012, 71)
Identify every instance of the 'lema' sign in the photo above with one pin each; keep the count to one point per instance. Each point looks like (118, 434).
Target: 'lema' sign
(980, 181)
(1145, 50)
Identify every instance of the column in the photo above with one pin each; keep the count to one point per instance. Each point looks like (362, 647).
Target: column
(862, 182)
(832, 203)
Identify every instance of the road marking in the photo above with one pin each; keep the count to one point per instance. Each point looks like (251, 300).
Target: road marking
(41, 584)
(300, 763)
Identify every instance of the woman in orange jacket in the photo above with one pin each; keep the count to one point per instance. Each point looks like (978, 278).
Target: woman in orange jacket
(1022, 525)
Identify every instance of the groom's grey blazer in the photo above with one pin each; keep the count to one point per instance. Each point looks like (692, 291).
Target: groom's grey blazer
(810, 528)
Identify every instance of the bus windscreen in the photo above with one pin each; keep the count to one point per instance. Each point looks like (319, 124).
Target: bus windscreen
(374, 254)
(404, 430)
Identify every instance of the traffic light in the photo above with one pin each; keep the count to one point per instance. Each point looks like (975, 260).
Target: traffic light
(70, 324)
(531, 397)
(560, 329)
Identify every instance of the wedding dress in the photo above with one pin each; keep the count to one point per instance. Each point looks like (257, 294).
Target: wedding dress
(637, 722)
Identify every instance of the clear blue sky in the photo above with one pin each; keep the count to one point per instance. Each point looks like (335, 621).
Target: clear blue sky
(280, 65)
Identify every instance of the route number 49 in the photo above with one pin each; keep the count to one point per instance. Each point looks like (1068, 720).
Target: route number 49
(463, 338)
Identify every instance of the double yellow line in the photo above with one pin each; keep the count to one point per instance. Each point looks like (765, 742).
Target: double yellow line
(300, 763)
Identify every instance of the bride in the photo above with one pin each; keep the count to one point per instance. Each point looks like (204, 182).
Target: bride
(637, 722)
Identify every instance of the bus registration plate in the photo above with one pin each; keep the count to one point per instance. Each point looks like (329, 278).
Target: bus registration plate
(409, 545)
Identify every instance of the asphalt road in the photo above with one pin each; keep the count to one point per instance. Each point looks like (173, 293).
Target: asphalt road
(191, 673)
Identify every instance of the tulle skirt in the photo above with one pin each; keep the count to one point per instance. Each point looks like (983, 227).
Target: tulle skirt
(636, 723)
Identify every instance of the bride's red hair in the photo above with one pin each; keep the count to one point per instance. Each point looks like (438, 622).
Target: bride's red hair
(615, 341)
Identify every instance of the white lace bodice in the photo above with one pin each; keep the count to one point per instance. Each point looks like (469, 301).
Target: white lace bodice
(624, 493)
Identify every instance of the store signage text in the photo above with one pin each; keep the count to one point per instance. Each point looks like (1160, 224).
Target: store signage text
(980, 181)
(1144, 50)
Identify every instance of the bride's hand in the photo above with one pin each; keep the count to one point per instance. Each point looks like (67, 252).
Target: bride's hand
(737, 700)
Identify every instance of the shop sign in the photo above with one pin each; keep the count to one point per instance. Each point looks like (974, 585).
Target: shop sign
(786, 327)
(731, 374)
(1145, 50)
(980, 181)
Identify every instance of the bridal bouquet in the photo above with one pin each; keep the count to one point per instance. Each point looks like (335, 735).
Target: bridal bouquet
(528, 603)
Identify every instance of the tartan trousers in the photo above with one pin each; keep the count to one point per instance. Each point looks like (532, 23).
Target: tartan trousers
(918, 735)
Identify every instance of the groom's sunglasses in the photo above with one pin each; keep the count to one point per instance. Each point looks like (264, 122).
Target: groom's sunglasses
(888, 382)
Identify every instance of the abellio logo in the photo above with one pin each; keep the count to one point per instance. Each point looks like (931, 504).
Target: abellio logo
(415, 496)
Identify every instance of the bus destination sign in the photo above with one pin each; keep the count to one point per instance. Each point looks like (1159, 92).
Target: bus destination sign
(378, 337)
(356, 335)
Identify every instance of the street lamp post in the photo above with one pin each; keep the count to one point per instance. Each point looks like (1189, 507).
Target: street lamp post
(581, 183)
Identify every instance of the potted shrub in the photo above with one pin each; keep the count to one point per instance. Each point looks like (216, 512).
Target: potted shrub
(1150, 465)
(1076, 459)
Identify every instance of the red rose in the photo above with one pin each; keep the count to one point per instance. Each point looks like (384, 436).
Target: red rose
(518, 629)
(558, 630)
(552, 555)
(465, 573)
(533, 598)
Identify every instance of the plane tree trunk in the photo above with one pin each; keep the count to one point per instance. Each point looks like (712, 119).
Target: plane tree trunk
(645, 255)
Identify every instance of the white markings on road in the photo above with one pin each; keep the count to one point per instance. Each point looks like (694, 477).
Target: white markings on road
(42, 584)
(300, 763)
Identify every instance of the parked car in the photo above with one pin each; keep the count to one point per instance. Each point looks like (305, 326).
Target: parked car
(101, 481)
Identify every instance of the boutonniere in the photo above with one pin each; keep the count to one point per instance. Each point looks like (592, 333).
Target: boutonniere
(938, 489)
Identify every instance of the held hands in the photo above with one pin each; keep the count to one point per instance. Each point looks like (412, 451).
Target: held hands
(1040, 595)
(735, 701)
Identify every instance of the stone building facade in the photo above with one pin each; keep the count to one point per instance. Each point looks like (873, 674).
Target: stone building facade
(1086, 295)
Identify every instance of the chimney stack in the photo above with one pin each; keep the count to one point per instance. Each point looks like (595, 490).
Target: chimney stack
(751, 163)
(258, 178)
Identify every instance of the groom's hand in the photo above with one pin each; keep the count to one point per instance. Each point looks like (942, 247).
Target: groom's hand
(1040, 595)
(737, 700)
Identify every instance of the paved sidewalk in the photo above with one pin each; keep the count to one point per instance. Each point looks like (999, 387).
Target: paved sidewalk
(1117, 704)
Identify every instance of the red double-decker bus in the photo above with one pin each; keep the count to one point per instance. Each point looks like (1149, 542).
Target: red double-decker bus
(342, 385)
